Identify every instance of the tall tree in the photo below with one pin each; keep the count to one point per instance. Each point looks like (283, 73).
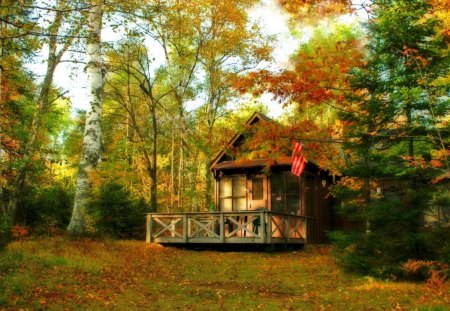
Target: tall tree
(398, 138)
(138, 93)
(233, 45)
(90, 154)
(16, 89)
(58, 43)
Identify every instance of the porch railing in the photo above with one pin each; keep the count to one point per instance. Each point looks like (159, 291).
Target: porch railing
(263, 227)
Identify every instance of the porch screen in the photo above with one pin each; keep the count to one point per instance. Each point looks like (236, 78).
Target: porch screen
(232, 193)
(285, 192)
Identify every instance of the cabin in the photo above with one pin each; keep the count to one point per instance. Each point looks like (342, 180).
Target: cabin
(256, 201)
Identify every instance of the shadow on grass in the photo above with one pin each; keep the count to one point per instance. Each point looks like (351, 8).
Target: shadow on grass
(238, 247)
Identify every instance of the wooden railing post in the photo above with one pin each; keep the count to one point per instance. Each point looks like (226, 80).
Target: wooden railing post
(222, 228)
(269, 228)
(148, 238)
(287, 227)
(305, 229)
(262, 225)
(185, 228)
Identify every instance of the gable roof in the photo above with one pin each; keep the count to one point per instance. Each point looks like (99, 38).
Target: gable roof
(254, 119)
(221, 161)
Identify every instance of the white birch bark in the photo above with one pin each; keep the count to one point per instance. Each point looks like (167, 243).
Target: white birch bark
(92, 134)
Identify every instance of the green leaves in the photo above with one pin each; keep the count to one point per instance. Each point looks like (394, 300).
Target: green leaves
(401, 129)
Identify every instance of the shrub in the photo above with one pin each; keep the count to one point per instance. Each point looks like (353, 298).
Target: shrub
(117, 214)
(19, 232)
(46, 210)
(390, 233)
(5, 234)
(434, 272)
(437, 242)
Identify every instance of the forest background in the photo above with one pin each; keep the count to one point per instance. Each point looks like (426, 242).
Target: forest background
(376, 91)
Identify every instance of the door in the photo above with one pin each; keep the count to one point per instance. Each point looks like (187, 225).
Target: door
(257, 192)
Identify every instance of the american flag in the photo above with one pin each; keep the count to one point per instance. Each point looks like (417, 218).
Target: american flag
(298, 159)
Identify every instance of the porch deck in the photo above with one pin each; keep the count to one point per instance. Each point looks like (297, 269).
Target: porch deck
(244, 227)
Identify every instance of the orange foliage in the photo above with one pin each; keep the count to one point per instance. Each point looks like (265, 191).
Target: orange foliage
(316, 78)
(18, 232)
(435, 273)
(272, 141)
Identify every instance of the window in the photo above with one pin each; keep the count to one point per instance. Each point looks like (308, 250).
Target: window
(285, 192)
(232, 193)
(257, 188)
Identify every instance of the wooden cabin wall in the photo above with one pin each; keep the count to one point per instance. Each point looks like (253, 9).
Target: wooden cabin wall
(322, 223)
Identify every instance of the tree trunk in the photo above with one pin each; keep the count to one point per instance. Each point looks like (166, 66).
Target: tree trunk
(2, 202)
(153, 171)
(180, 176)
(172, 168)
(367, 195)
(208, 186)
(92, 134)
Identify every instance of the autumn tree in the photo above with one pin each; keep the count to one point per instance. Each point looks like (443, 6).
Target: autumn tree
(315, 88)
(228, 51)
(204, 44)
(59, 37)
(16, 93)
(310, 11)
(138, 91)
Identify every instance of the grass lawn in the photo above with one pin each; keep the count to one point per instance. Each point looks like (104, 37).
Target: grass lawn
(61, 274)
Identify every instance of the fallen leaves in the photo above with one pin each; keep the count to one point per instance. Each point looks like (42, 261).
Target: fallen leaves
(133, 275)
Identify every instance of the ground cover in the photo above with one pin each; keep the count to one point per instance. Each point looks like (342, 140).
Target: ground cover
(63, 274)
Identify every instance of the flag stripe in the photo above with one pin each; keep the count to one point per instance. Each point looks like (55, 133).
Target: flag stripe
(298, 159)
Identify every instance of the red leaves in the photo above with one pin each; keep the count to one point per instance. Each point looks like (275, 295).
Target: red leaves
(9, 144)
(19, 232)
(413, 57)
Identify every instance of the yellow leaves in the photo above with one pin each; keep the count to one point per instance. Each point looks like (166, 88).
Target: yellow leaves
(153, 246)
(352, 183)
(441, 81)
(310, 10)
(14, 96)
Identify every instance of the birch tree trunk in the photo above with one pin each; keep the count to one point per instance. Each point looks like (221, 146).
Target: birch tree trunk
(92, 134)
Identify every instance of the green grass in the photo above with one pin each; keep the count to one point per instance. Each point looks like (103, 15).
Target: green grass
(55, 273)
